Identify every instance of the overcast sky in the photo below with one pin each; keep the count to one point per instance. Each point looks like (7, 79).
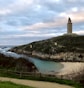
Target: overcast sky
(25, 21)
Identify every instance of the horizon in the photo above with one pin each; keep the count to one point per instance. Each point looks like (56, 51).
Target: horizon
(26, 21)
(33, 41)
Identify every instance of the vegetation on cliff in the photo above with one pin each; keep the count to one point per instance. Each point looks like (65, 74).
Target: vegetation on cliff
(64, 48)
(66, 43)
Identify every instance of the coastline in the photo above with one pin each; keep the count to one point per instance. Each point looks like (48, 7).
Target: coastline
(59, 57)
(71, 67)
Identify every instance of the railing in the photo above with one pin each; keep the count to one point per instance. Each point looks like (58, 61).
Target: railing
(38, 74)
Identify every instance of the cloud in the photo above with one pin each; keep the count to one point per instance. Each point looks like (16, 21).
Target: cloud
(4, 11)
(16, 6)
(41, 25)
(28, 35)
(76, 17)
(29, 20)
(21, 4)
(74, 1)
(80, 32)
(34, 35)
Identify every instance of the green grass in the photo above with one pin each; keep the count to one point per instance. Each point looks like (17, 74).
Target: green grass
(40, 78)
(68, 43)
(12, 85)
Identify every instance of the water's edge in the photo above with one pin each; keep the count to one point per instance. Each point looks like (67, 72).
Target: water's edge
(43, 66)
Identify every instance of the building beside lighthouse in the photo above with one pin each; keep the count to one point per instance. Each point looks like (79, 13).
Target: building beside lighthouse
(69, 26)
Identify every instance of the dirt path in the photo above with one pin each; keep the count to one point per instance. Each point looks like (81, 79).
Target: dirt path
(36, 84)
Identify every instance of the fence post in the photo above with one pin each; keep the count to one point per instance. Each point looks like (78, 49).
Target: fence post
(40, 75)
(61, 76)
(20, 74)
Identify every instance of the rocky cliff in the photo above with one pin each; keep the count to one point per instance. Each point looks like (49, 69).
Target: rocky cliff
(61, 48)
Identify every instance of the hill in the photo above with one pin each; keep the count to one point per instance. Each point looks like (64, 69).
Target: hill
(54, 48)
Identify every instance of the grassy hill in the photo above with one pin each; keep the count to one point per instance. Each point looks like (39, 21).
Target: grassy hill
(61, 48)
(66, 43)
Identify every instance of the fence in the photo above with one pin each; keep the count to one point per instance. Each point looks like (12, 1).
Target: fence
(20, 74)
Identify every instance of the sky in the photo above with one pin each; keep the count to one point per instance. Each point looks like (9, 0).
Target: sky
(25, 21)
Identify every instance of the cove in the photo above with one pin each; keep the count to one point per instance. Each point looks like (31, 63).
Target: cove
(46, 66)
(43, 66)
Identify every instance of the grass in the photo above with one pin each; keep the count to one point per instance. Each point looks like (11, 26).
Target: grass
(68, 43)
(40, 78)
(12, 85)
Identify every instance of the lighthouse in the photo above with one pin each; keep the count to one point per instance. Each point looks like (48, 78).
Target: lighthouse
(69, 26)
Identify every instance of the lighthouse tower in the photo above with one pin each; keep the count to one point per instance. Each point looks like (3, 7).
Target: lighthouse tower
(69, 26)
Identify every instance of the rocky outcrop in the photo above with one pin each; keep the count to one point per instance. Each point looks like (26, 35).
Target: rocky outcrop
(63, 56)
(61, 48)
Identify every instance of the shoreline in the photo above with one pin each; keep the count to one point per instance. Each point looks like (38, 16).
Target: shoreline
(59, 57)
(71, 67)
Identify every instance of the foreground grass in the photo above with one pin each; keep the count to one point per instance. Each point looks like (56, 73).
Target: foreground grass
(40, 78)
(12, 85)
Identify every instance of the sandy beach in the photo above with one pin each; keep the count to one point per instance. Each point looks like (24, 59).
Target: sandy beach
(71, 67)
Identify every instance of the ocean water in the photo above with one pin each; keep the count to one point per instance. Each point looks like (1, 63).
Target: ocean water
(42, 65)
(47, 66)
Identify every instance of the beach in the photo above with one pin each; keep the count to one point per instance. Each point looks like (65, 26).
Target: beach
(71, 67)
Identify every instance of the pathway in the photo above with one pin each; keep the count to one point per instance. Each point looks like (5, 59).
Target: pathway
(36, 84)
